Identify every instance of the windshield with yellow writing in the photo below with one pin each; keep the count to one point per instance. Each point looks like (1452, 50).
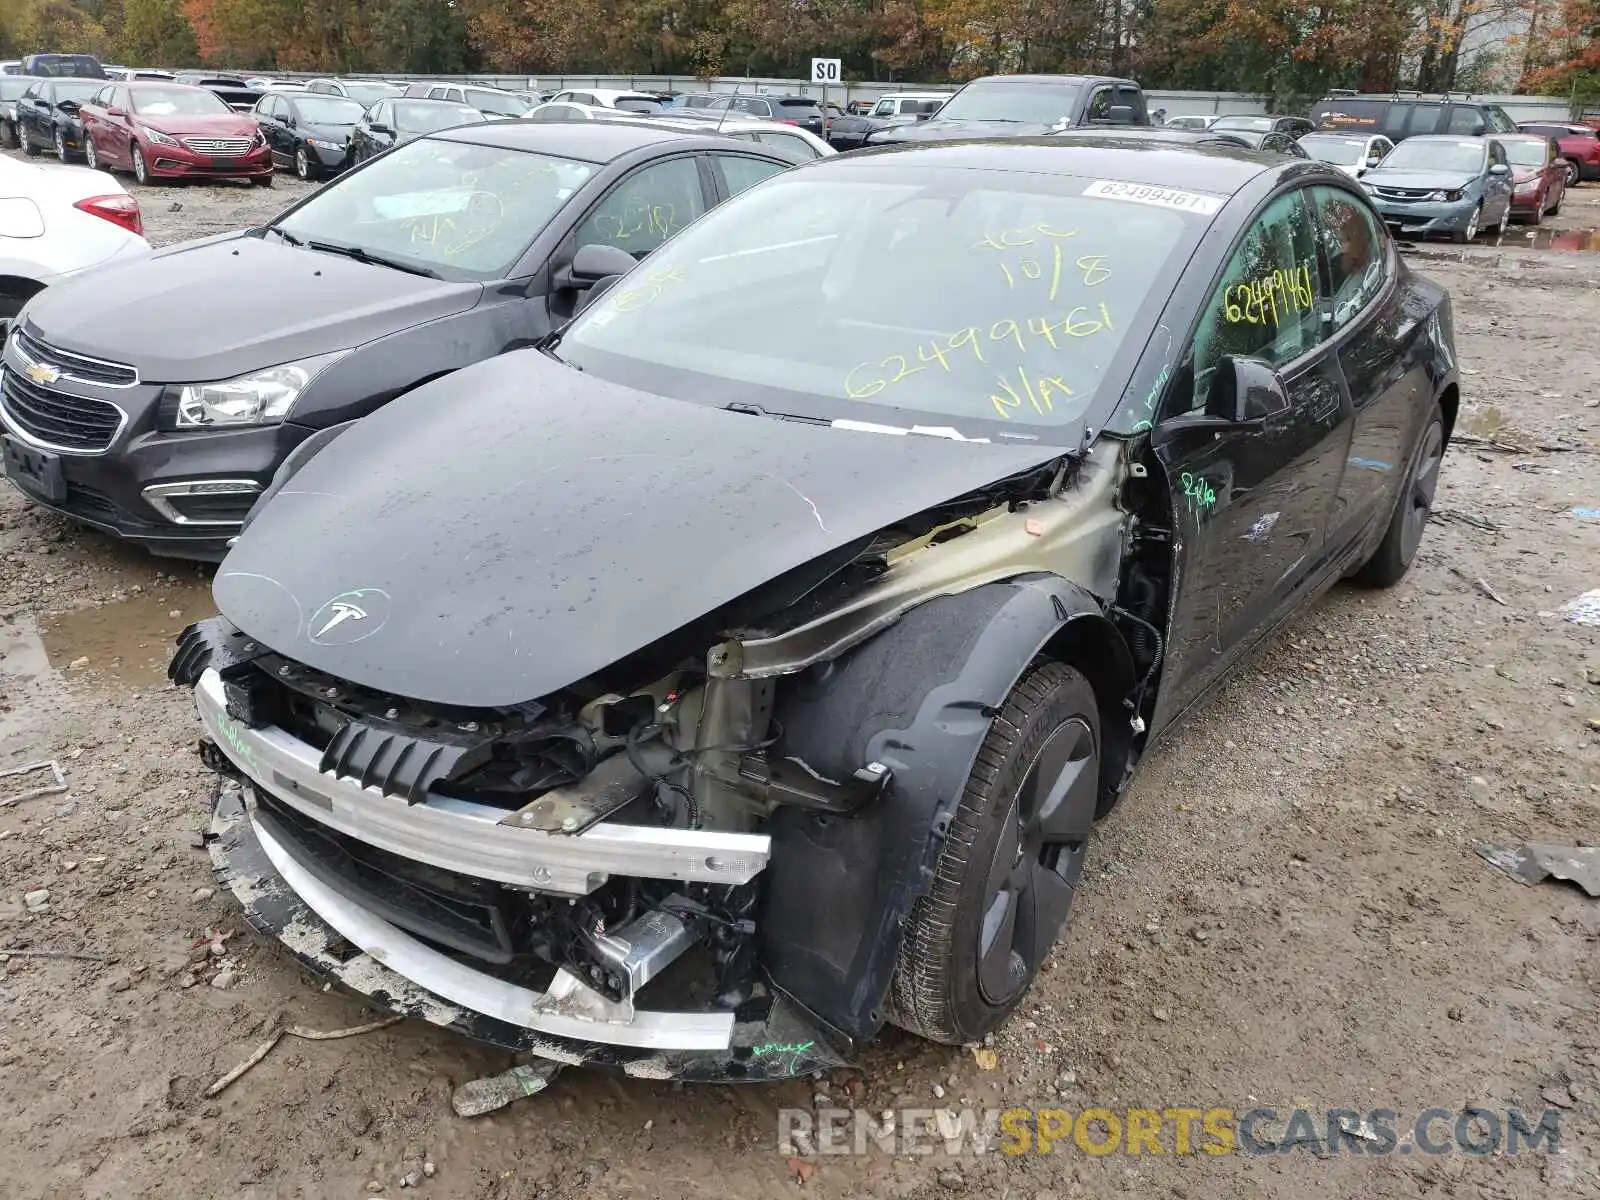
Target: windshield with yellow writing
(979, 301)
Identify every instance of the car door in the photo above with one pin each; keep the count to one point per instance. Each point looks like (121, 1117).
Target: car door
(1497, 187)
(1368, 325)
(92, 117)
(34, 113)
(1251, 505)
(639, 212)
(266, 117)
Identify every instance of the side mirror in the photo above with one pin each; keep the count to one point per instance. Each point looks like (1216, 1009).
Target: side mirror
(594, 263)
(115, 111)
(377, 127)
(1499, 169)
(1120, 114)
(1246, 392)
(923, 116)
(288, 120)
(1373, 160)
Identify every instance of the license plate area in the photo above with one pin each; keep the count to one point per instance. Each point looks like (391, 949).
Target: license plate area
(224, 164)
(35, 471)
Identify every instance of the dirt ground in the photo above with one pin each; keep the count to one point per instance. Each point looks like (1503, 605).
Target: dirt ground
(1285, 911)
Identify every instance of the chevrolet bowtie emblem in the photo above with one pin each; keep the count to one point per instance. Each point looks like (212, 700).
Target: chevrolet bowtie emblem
(41, 372)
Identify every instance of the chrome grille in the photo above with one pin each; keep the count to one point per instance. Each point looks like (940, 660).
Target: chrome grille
(56, 419)
(75, 366)
(1404, 193)
(228, 147)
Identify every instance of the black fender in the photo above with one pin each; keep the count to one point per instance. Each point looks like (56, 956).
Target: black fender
(303, 453)
(918, 698)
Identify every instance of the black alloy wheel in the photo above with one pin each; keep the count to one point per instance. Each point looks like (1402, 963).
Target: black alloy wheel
(1009, 869)
(1413, 506)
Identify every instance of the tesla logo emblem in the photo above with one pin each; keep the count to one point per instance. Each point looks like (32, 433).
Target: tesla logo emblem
(341, 612)
(41, 372)
(349, 617)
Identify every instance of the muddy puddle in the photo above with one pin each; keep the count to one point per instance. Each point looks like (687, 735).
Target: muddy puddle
(127, 641)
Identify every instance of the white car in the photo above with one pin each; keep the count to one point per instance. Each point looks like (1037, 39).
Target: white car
(55, 220)
(1188, 121)
(1350, 152)
(798, 145)
(610, 98)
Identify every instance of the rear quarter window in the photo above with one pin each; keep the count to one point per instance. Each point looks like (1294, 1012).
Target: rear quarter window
(1350, 114)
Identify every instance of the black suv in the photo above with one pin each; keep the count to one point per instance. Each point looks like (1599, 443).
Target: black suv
(1025, 106)
(1408, 114)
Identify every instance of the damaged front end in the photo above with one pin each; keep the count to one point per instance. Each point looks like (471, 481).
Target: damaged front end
(695, 861)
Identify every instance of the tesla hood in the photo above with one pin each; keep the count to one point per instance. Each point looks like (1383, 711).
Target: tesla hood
(510, 529)
(222, 307)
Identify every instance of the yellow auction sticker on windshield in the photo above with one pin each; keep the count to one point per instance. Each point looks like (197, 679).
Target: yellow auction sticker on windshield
(1161, 197)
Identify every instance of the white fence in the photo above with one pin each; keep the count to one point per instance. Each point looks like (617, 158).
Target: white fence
(1520, 108)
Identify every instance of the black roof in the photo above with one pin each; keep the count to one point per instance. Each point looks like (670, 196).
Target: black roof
(1126, 157)
(1156, 133)
(1056, 79)
(585, 141)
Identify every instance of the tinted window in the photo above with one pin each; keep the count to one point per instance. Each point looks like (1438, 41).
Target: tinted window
(1465, 120)
(1423, 119)
(994, 301)
(1499, 120)
(1000, 100)
(799, 107)
(741, 172)
(1099, 108)
(1266, 304)
(497, 103)
(322, 86)
(794, 148)
(647, 207)
(1352, 114)
(1354, 244)
(416, 205)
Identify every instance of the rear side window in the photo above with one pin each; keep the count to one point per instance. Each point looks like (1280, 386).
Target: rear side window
(805, 104)
(1423, 119)
(1354, 244)
(1464, 119)
(741, 173)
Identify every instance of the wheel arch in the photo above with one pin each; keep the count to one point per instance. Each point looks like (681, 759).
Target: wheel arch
(1449, 406)
(918, 698)
(19, 287)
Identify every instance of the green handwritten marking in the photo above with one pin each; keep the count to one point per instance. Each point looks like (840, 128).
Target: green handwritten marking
(1139, 426)
(233, 734)
(1201, 495)
(767, 1048)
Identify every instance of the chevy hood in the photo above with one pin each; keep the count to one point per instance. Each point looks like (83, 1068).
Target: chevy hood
(1399, 178)
(220, 308)
(935, 130)
(510, 529)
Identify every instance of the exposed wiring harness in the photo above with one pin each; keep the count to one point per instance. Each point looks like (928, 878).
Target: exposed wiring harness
(1135, 700)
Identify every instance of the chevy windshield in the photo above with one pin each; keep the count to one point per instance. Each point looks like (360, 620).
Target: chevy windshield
(998, 304)
(454, 209)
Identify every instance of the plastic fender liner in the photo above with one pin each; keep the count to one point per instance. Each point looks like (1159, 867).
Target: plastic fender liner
(918, 698)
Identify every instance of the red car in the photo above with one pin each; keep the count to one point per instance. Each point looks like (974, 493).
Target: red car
(172, 131)
(1538, 175)
(1580, 146)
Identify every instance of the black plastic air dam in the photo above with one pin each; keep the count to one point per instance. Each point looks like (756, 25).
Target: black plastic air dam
(772, 1039)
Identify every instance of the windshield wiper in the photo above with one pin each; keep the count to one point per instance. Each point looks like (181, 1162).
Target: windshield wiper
(755, 410)
(285, 235)
(377, 260)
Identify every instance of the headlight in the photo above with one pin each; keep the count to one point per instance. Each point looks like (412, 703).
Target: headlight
(1369, 189)
(1454, 195)
(1531, 185)
(263, 398)
(1436, 195)
(324, 144)
(159, 138)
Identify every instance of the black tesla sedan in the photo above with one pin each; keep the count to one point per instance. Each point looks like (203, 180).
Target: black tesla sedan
(308, 133)
(746, 666)
(156, 403)
(390, 122)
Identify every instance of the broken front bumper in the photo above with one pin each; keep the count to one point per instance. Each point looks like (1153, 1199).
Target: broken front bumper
(337, 931)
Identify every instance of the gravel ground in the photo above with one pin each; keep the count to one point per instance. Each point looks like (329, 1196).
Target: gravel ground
(1285, 911)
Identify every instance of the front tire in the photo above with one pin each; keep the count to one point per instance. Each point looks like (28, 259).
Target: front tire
(1561, 196)
(141, 169)
(1392, 559)
(1471, 231)
(61, 147)
(28, 147)
(1009, 869)
(1574, 173)
(90, 155)
(8, 136)
(302, 165)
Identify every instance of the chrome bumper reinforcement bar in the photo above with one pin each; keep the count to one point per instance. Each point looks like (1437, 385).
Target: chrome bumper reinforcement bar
(469, 838)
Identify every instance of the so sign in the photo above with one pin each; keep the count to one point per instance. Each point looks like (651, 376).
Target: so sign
(825, 70)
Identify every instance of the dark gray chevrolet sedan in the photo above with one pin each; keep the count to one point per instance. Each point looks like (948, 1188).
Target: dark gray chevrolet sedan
(155, 400)
(746, 666)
